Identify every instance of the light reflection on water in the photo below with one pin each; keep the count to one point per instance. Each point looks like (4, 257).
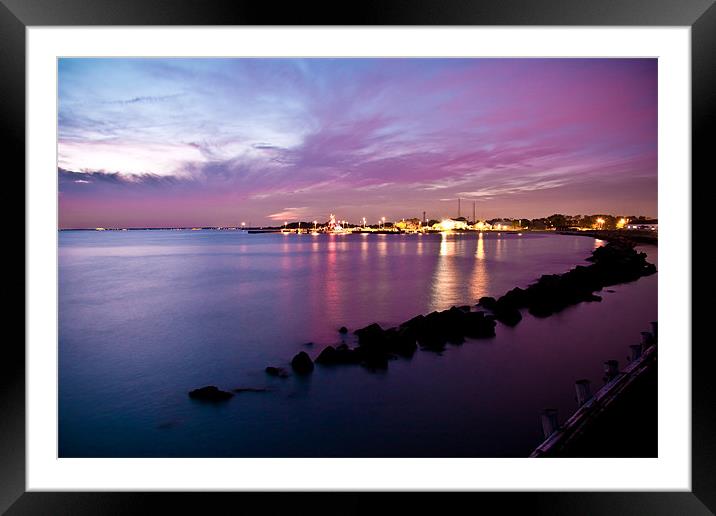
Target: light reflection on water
(445, 284)
(480, 279)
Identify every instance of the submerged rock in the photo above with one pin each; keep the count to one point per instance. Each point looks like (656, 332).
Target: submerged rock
(210, 393)
(302, 363)
(277, 371)
(340, 355)
(343, 330)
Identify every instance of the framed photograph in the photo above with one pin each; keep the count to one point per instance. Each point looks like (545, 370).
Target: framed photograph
(413, 248)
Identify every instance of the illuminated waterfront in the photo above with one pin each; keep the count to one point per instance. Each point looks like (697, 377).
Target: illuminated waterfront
(145, 316)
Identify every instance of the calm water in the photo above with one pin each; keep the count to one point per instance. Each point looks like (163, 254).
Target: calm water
(145, 316)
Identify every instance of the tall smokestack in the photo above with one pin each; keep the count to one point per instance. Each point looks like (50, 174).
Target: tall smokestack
(424, 219)
(474, 218)
(458, 207)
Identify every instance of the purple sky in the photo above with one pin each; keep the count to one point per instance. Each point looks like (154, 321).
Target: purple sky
(187, 142)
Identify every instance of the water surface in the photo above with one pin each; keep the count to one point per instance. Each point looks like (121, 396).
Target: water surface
(145, 316)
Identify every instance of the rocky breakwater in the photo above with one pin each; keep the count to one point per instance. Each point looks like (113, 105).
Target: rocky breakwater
(377, 346)
(616, 262)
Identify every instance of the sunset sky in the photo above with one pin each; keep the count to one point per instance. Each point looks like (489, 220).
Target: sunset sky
(189, 142)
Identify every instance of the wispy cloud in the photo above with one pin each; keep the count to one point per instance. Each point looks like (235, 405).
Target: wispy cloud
(289, 214)
(146, 99)
(251, 136)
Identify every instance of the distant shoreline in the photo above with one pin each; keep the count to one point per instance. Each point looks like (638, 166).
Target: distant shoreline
(631, 236)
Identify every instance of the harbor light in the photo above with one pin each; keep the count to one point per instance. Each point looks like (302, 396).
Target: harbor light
(447, 225)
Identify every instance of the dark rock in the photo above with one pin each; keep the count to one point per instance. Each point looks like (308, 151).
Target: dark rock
(479, 326)
(328, 356)
(210, 393)
(508, 315)
(487, 302)
(277, 371)
(414, 325)
(540, 310)
(431, 335)
(376, 345)
(309, 344)
(372, 336)
(302, 363)
(515, 298)
(342, 354)
(239, 390)
(401, 341)
(412, 328)
(432, 343)
(343, 330)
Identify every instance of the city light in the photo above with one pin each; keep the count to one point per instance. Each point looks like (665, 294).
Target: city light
(446, 225)
(414, 225)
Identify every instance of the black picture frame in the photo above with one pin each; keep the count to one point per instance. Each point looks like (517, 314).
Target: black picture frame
(16, 15)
